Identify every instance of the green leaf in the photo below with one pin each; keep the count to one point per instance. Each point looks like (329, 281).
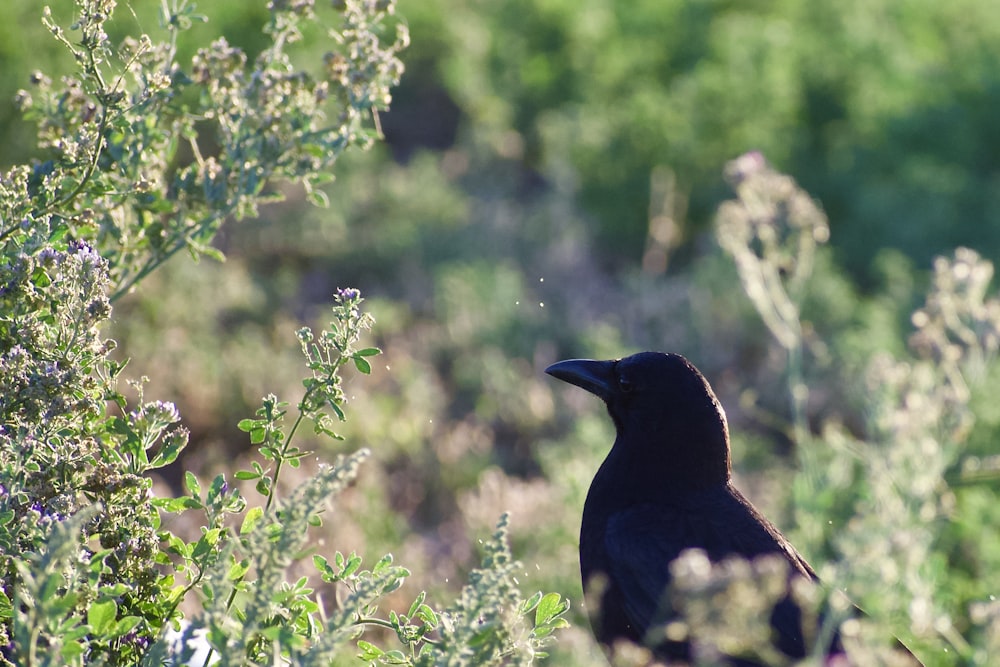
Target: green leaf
(116, 591)
(353, 563)
(324, 424)
(206, 250)
(383, 563)
(40, 278)
(247, 425)
(362, 365)
(216, 489)
(50, 584)
(393, 585)
(547, 615)
(368, 352)
(416, 604)
(6, 608)
(97, 559)
(176, 505)
(168, 454)
(318, 198)
(71, 651)
(238, 569)
(253, 515)
(369, 651)
(61, 606)
(57, 232)
(101, 615)
(178, 546)
(207, 541)
(551, 606)
(428, 616)
(531, 602)
(395, 657)
(125, 626)
(191, 482)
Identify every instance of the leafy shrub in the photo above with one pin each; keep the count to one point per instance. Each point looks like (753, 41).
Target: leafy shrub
(146, 159)
(893, 486)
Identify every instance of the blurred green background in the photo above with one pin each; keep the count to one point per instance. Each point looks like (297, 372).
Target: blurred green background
(545, 190)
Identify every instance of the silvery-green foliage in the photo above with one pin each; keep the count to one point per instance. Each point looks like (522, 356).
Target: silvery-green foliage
(146, 156)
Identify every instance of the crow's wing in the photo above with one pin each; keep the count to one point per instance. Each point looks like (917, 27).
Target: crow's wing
(643, 540)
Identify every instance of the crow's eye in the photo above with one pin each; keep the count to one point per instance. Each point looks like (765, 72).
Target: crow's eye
(624, 384)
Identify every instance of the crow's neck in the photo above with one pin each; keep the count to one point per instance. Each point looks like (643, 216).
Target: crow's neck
(647, 469)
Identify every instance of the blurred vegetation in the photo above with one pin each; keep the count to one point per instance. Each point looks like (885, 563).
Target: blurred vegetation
(547, 188)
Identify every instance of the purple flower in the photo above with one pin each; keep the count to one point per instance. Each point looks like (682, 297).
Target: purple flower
(347, 294)
(86, 253)
(134, 638)
(48, 256)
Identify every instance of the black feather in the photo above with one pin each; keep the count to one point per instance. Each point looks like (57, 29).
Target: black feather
(665, 487)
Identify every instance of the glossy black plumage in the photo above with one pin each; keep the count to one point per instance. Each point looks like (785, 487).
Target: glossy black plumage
(665, 487)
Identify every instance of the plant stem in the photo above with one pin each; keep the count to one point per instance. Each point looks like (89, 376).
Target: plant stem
(284, 449)
(799, 396)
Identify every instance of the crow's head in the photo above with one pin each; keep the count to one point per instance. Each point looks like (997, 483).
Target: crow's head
(663, 408)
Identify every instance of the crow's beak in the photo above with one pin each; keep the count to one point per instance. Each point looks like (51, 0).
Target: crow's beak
(597, 377)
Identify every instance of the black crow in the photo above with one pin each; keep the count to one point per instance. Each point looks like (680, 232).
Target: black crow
(666, 486)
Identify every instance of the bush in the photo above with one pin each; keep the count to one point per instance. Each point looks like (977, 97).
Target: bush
(147, 158)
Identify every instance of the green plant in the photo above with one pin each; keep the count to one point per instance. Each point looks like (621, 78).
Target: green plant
(895, 480)
(147, 158)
